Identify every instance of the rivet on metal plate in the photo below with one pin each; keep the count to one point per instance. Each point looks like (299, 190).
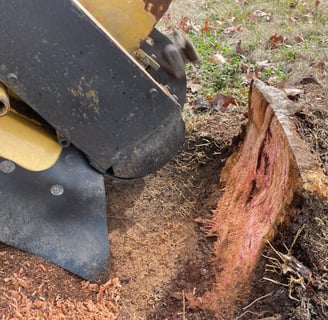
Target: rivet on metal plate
(7, 166)
(57, 190)
(12, 77)
(152, 93)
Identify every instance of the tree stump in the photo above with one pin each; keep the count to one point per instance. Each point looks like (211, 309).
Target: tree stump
(272, 166)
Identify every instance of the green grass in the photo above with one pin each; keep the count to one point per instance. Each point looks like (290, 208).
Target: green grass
(214, 76)
(303, 21)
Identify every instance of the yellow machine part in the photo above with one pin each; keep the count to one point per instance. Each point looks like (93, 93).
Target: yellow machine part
(27, 143)
(126, 20)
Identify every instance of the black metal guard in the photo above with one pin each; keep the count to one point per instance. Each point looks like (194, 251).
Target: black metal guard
(58, 214)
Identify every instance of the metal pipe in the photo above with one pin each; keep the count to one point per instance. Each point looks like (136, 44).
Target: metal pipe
(4, 101)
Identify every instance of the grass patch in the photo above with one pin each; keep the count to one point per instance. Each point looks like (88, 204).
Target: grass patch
(273, 38)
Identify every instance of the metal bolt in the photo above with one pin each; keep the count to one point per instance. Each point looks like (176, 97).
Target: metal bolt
(152, 93)
(7, 166)
(12, 77)
(57, 190)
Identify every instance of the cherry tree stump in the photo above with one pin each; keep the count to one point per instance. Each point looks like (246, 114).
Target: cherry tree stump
(272, 166)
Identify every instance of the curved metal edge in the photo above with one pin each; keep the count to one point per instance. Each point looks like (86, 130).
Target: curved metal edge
(58, 214)
(159, 147)
(153, 152)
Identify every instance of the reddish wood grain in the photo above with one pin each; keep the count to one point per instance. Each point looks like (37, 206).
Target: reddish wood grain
(261, 180)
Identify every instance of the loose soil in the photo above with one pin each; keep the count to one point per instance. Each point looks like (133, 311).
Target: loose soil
(159, 251)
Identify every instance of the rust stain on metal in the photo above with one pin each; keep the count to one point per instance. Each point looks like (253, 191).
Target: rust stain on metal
(88, 96)
(157, 7)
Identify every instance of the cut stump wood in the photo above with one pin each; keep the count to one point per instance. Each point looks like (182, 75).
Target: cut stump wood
(272, 167)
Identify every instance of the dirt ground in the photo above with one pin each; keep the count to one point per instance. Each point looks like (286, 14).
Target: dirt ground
(160, 254)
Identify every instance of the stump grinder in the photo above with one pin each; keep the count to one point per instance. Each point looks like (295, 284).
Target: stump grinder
(88, 89)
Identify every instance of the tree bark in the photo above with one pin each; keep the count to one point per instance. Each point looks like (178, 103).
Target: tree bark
(272, 166)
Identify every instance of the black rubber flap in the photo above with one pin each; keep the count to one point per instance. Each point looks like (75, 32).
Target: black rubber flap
(58, 214)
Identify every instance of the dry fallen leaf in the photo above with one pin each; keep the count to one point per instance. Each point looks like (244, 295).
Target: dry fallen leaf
(320, 65)
(239, 49)
(217, 58)
(244, 67)
(260, 14)
(232, 29)
(195, 87)
(316, 5)
(186, 24)
(298, 39)
(276, 40)
(221, 101)
(205, 28)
